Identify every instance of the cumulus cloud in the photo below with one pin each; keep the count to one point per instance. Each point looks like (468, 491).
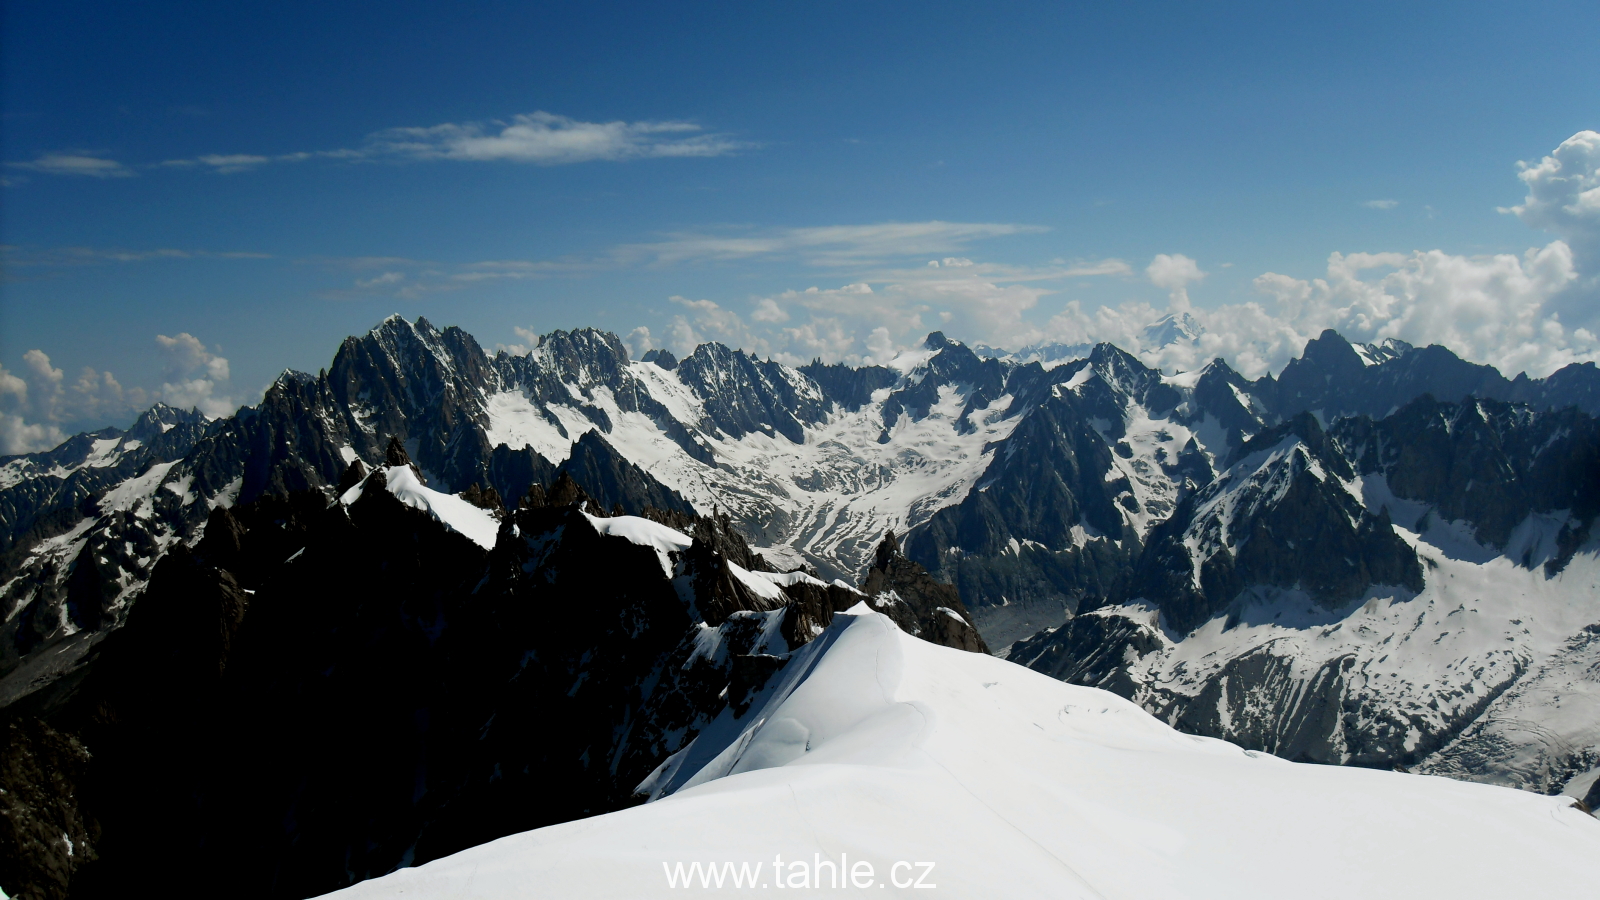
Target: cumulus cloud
(39, 404)
(639, 342)
(1173, 273)
(194, 376)
(1564, 194)
(861, 323)
(527, 339)
(83, 164)
(1492, 309)
(1531, 312)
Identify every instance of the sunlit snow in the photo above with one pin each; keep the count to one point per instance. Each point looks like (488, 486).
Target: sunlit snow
(878, 747)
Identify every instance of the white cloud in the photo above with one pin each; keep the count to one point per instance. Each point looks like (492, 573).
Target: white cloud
(193, 376)
(1174, 273)
(831, 245)
(75, 164)
(529, 340)
(1381, 204)
(537, 138)
(233, 162)
(1564, 194)
(768, 310)
(544, 138)
(1489, 309)
(639, 342)
(377, 281)
(1533, 312)
(37, 405)
(861, 323)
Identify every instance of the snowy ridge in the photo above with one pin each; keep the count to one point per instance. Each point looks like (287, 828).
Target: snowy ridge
(879, 748)
(475, 524)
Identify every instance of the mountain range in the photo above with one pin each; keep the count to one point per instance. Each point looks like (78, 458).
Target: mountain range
(430, 596)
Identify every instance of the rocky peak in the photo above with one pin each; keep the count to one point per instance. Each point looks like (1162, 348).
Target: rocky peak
(1309, 431)
(952, 364)
(887, 550)
(483, 498)
(1124, 374)
(395, 454)
(1331, 353)
(566, 492)
(904, 591)
(742, 394)
(355, 473)
(662, 358)
(161, 418)
(1173, 328)
(582, 356)
(847, 387)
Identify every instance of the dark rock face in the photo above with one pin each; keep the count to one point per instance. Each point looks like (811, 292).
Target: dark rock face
(743, 394)
(905, 592)
(1056, 498)
(1304, 509)
(1332, 378)
(613, 481)
(1486, 463)
(662, 358)
(69, 476)
(1089, 649)
(849, 388)
(1288, 523)
(317, 694)
(1262, 686)
(45, 837)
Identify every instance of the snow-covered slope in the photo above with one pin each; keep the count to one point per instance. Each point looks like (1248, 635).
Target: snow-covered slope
(872, 747)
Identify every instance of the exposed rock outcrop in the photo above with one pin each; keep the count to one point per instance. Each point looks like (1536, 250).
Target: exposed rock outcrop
(904, 591)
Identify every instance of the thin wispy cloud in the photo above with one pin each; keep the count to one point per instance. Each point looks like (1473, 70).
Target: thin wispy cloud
(537, 138)
(62, 257)
(830, 245)
(69, 163)
(1381, 204)
(546, 139)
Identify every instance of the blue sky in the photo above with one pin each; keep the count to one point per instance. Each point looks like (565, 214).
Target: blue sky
(199, 195)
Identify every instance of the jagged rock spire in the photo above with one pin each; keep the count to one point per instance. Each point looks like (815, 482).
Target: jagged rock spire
(395, 454)
(904, 591)
(887, 550)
